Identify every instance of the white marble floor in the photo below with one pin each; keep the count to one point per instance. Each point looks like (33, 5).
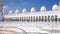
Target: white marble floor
(50, 27)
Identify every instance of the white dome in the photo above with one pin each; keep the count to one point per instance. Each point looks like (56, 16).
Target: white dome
(55, 7)
(24, 10)
(17, 11)
(10, 12)
(43, 8)
(33, 9)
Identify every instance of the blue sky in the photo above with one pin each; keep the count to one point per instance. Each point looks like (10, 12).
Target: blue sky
(28, 4)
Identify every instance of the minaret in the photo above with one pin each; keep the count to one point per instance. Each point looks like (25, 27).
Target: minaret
(1, 13)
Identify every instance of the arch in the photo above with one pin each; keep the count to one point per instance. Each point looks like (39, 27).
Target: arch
(48, 18)
(52, 18)
(56, 17)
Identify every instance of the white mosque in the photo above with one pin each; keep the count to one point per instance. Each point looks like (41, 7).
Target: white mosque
(34, 16)
(43, 15)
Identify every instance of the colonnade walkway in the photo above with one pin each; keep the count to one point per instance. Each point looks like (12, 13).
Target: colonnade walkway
(49, 27)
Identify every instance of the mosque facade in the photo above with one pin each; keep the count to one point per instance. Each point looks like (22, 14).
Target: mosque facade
(43, 15)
